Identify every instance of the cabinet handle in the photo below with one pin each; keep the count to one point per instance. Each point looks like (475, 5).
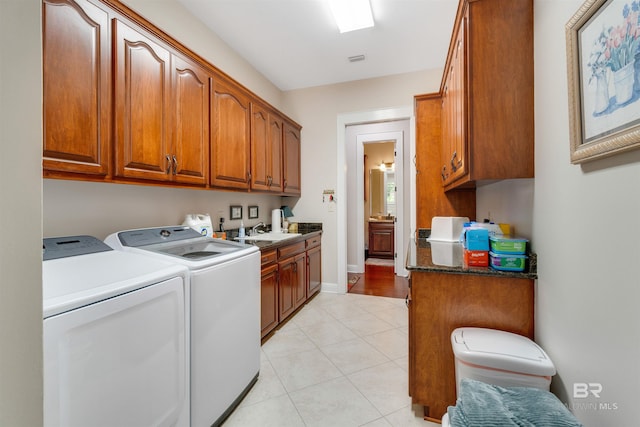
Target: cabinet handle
(294, 266)
(248, 176)
(269, 181)
(454, 167)
(175, 165)
(444, 173)
(168, 157)
(285, 184)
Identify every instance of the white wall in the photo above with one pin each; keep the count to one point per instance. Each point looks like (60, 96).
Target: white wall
(317, 110)
(99, 209)
(174, 19)
(20, 214)
(585, 230)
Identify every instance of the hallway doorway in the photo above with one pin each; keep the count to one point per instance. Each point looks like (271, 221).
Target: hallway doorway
(351, 177)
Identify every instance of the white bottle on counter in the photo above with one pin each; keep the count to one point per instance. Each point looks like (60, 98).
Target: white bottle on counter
(241, 229)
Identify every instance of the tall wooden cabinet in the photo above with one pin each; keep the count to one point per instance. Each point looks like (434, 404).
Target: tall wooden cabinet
(487, 91)
(77, 87)
(431, 199)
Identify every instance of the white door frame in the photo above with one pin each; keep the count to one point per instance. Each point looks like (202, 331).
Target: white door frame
(397, 138)
(398, 113)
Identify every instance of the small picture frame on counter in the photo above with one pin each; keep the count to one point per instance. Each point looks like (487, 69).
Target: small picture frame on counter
(253, 212)
(235, 212)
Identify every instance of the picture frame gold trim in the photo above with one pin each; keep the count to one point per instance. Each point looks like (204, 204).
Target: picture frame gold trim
(614, 140)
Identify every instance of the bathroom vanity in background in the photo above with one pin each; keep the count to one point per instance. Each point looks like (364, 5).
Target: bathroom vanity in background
(381, 238)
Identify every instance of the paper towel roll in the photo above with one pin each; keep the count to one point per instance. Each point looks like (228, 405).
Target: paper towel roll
(276, 224)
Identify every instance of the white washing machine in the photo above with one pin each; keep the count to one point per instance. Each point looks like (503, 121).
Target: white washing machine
(225, 312)
(116, 336)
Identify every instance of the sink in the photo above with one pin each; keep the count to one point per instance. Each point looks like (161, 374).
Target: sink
(271, 237)
(381, 218)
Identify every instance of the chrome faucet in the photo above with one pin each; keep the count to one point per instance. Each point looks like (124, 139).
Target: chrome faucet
(255, 227)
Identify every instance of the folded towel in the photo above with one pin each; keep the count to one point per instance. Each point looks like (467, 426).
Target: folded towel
(481, 404)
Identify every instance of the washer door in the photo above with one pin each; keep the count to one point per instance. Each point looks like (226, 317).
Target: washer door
(118, 362)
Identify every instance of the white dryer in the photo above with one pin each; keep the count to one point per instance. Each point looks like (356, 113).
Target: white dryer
(225, 312)
(116, 337)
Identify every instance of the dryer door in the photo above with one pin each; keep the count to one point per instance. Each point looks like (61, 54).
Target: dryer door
(119, 362)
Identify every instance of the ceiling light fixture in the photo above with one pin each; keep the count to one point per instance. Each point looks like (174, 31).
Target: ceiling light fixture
(351, 15)
(356, 58)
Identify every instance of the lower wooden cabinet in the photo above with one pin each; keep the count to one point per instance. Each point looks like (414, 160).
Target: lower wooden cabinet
(293, 280)
(290, 275)
(441, 302)
(314, 271)
(269, 292)
(381, 239)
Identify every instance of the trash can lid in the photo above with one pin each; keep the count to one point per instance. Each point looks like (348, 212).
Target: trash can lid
(502, 350)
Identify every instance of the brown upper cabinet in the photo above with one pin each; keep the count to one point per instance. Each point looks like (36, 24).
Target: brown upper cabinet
(161, 110)
(230, 145)
(266, 149)
(125, 102)
(292, 185)
(77, 87)
(487, 94)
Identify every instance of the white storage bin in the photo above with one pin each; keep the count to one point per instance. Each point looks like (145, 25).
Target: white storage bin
(447, 228)
(500, 358)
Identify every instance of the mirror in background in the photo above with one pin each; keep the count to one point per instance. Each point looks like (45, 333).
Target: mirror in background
(382, 197)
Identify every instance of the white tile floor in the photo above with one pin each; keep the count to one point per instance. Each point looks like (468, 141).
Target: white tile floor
(340, 362)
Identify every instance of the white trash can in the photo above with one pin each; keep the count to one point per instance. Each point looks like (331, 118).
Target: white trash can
(500, 358)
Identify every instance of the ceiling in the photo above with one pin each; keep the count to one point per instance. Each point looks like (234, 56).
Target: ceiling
(296, 44)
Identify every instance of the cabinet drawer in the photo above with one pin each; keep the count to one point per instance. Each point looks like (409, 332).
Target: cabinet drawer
(313, 241)
(268, 257)
(292, 249)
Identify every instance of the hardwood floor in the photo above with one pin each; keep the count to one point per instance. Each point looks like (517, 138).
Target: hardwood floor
(379, 281)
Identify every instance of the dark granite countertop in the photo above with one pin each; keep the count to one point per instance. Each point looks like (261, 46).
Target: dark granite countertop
(445, 257)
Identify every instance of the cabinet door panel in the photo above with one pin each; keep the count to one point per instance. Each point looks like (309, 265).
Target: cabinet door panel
(269, 299)
(291, 160)
(259, 148)
(300, 270)
(191, 90)
(286, 290)
(314, 271)
(142, 95)
(76, 87)
(230, 149)
(276, 135)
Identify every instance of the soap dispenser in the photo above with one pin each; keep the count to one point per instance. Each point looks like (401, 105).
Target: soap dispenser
(241, 230)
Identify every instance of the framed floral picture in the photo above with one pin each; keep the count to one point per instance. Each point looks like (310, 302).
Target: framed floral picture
(603, 60)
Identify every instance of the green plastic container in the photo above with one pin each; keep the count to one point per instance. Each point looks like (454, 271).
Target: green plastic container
(507, 262)
(507, 245)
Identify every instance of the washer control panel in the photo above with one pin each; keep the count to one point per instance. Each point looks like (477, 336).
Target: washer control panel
(62, 247)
